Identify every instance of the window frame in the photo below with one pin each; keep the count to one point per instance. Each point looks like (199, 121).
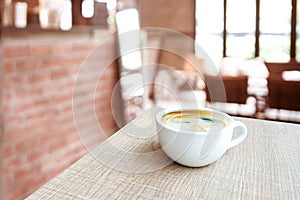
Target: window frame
(293, 34)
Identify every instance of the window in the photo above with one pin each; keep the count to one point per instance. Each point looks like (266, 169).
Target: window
(275, 30)
(21, 14)
(247, 29)
(240, 26)
(87, 8)
(209, 28)
(55, 14)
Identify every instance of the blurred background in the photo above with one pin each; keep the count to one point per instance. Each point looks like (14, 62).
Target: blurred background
(75, 72)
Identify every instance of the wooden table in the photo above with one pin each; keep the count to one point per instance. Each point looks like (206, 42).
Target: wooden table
(130, 165)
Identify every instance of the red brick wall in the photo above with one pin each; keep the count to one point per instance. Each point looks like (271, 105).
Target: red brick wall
(39, 136)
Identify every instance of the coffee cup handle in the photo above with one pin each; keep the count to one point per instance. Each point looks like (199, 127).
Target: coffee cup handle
(241, 136)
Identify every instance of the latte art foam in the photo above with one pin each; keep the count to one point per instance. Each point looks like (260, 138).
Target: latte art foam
(200, 121)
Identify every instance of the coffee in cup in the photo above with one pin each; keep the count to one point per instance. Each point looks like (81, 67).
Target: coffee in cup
(192, 120)
(197, 137)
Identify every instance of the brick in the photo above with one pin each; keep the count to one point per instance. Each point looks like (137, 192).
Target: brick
(7, 95)
(105, 115)
(107, 125)
(91, 64)
(8, 67)
(106, 86)
(74, 70)
(106, 58)
(39, 127)
(67, 108)
(64, 98)
(11, 164)
(28, 65)
(47, 137)
(16, 193)
(29, 130)
(74, 140)
(58, 49)
(42, 102)
(38, 77)
(104, 97)
(68, 84)
(58, 144)
(60, 73)
(65, 119)
(83, 122)
(52, 61)
(52, 162)
(56, 169)
(26, 173)
(37, 154)
(36, 114)
(15, 51)
(13, 119)
(8, 151)
(68, 131)
(73, 60)
(13, 80)
(39, 50)
(36, 181)
(26, 144)
(49, 91)
(82, 47)
(12, 133)
(21, 106)
(25, 93)
(75, 157)
(103, 106)
(8, 181)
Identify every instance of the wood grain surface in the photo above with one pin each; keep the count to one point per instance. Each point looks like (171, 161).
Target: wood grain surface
(131, 165)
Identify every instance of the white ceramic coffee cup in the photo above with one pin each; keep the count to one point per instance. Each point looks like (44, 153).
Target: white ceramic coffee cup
(194, 145)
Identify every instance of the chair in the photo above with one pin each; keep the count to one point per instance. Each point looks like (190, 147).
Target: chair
(229, 94)
(227, 89)
(283, 94)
